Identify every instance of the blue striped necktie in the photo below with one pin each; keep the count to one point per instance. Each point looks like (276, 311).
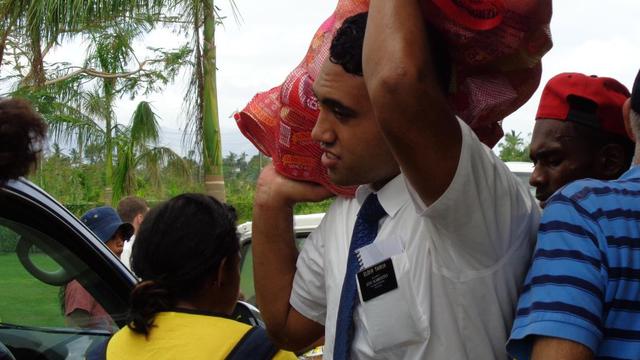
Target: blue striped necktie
(364, 232)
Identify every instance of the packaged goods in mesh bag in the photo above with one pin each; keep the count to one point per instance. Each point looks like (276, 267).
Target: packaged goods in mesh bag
(495, 48)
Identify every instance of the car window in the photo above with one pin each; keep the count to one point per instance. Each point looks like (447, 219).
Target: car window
(247, 287)
(26, 300)
(52, 301)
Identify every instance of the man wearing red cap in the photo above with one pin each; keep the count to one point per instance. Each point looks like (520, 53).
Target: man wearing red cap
(580, 297)
(579, 133)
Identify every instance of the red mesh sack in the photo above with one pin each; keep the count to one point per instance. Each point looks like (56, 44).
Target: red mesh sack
(495, 46)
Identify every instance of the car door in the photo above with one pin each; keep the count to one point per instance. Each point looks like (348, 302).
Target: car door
(49, 263)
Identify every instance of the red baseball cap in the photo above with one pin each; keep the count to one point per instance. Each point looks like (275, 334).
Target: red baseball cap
(588, 100)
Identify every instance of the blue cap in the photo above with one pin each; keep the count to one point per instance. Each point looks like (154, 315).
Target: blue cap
(635, 94)
(104, 222)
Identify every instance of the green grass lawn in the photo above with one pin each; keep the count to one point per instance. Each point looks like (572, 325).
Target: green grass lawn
(24, 299)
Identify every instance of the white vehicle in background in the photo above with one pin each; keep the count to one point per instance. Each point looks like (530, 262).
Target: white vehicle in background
(303, 225)
(522, 170)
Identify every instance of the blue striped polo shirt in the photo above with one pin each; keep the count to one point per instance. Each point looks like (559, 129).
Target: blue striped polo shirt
(584, 282)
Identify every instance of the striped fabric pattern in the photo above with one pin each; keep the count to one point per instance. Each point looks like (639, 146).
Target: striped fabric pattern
(584, 282)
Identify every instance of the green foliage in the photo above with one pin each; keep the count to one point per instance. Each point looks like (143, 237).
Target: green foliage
(240, 195)
(77, 101)
(76, 179)
(240, 176)
(513, 148)
(312, 208)
(54, 18)
(70, 180)
(137, 150)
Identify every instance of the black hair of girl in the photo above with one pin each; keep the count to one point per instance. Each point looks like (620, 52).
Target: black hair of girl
(179, 246)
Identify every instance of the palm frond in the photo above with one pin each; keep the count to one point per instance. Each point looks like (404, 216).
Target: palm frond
(155, 159)
(124, 178)
(144, 125)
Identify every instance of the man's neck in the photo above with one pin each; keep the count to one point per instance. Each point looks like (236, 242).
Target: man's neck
(376, 186)
(636, 155)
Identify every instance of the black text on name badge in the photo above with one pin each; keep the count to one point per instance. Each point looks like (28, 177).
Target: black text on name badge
(377, 280)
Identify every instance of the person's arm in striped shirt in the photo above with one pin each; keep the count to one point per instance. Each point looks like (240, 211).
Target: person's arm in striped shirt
(548, 348)
(561, 305)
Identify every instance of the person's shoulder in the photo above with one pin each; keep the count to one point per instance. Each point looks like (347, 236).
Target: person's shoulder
(581, 188)
(482, 158)
(74, 288)
(592, 203)
(591, 193)
(199, 319)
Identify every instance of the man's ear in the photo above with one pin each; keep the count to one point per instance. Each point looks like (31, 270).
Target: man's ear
(626, 114)
(611, 162)
(222, 272)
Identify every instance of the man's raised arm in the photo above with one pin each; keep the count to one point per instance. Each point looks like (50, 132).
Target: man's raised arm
(408, 101)
(275, 254)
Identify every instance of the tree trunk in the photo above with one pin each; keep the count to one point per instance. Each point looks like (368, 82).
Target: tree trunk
(199, 71)
(3, 42)
(108, 87)
(37, 63)
(212, 152)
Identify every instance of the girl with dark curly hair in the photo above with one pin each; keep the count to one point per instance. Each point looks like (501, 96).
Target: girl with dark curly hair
(22, 134)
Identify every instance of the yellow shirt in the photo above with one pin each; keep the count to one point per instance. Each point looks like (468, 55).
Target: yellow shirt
(182, 335)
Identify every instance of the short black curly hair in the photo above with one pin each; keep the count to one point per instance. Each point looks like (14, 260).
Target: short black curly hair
(346, 48)
(22, 135)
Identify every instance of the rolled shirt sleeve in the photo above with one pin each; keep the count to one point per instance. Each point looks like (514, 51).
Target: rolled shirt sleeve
(308, 295)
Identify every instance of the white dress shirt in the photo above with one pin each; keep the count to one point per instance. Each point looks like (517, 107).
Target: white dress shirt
(463, 263)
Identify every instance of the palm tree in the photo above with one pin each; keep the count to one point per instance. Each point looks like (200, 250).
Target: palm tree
(201, 99)
(138, 147)
(45, 22)
(212, 149)
(513, 147)
(80, 116)
(41, 24)
(112, 52)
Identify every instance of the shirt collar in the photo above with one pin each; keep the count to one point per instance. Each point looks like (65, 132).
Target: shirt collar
(392, 196)
(632, 173)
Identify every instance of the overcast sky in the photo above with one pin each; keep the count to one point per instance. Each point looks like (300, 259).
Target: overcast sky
(590, 36)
